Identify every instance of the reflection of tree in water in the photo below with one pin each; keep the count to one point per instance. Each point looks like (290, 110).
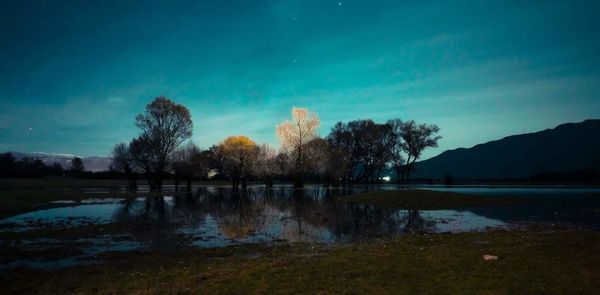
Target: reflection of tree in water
(414, 222)
(239, 217)
(311, 214)
(152, 208)
(148, 221)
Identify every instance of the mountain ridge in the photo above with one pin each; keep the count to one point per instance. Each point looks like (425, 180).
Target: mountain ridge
(564, 148)
(92, 163)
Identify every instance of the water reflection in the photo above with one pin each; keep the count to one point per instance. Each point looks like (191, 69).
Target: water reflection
(217, 216)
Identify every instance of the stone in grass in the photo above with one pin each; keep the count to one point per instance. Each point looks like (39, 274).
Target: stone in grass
(487, 257)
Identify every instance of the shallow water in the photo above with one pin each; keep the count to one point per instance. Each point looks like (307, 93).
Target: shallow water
(214, 216)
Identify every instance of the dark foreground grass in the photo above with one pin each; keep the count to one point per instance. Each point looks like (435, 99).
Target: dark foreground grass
(532, 261)
(426, 199)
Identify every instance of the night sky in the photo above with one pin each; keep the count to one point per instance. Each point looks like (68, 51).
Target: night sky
(74, 74)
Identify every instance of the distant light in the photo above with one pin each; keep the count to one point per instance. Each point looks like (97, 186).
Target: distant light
(386, 178)
(340, 3)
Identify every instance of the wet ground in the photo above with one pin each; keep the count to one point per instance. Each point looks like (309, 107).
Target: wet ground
(213, 216)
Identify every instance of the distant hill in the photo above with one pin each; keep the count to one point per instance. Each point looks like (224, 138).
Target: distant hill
(93, 164)
(568, 147)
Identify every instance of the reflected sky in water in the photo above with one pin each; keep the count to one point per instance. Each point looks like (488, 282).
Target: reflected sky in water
(218, 216)
(213, 216)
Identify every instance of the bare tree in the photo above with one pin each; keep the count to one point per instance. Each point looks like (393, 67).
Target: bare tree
(240, 153)
(188, 161)
(122, 161)
(164, 125)
(317, 159)
(266, 166)
(294, 135)
(142, 153)
(341, 143)
(397, 148)
(417, 138)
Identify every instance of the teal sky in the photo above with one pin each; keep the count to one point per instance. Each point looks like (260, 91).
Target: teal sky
(73, 74)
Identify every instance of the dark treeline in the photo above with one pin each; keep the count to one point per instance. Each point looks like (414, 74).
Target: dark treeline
(27, 167)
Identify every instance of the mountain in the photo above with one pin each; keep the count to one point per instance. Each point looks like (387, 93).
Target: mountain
(93, 164)
(566, 148)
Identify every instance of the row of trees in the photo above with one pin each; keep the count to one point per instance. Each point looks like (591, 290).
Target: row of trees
(32, 167)
(356, 151)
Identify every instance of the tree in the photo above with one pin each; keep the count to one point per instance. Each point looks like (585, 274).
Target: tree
(341, 143)
(338, 162)
(397, 148)
(188, 161)
(164, 126)
(317, 159)
(417, 138)
(141, 151)
(7, 165)
(123, 162)
(56, 169)
(216, 160)
(367, 146)
(266, 166)
(240, 154)
(294, 135)
(77, 165)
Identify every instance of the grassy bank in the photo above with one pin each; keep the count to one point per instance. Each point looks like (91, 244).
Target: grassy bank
(426, 199)
(530, 261)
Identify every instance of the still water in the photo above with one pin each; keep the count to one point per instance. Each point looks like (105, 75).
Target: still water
(213, 216)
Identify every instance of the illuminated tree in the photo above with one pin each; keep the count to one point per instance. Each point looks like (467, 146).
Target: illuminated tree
(294, 135)
(240, 154)
(164, 126)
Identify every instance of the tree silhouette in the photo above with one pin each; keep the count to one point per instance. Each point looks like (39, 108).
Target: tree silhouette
(77, 165)
(266, 166)
(122, 161)
(417, 138)
(164, 126)
(188, 161)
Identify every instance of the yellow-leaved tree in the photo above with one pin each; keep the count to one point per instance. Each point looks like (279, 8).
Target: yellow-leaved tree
(240, 153)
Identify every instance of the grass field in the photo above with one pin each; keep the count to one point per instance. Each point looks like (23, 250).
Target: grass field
(532, 261)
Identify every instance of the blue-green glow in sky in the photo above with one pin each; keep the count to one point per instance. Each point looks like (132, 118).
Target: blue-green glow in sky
(73, 74)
